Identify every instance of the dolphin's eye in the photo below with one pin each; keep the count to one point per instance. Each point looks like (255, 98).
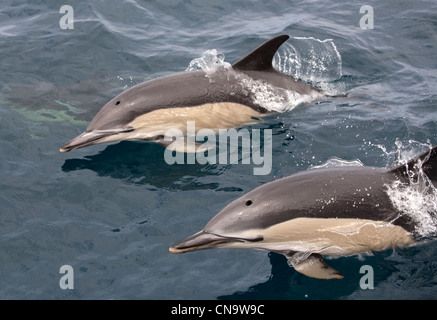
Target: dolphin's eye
(248, 203)
(117, 103)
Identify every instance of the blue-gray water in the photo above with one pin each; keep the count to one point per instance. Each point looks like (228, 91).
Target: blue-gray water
(112, 211)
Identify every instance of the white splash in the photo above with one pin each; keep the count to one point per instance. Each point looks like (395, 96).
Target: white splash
(418, 197)
(337, 162)
(417, 200)
(310, 59)
(272, 98)
(209, 62)
(403, 152)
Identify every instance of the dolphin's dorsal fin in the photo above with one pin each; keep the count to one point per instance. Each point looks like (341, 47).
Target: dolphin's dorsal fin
(428, 161)
(261, 58)
(312, 265)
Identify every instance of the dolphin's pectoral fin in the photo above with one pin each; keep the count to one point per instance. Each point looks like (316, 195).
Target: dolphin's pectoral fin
(180, 144)
(177, 145)
(312, 265)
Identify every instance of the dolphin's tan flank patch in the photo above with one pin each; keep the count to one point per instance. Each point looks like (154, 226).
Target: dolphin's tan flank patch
(334, 237)
(223, 115)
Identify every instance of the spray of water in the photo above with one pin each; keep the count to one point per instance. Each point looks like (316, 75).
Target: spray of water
(416, 198)
(309, 59)
(209, 62)
(272, 98)
(313, 60)
(335, 162)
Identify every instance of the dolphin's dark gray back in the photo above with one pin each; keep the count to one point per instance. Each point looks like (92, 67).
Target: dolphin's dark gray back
(184, 89)
(343, 192)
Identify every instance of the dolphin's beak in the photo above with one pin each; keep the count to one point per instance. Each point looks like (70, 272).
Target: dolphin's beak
(203, 240)
(199, 241)
(82, 140)
(91, 137)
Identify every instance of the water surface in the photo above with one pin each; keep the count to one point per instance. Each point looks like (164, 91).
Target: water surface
(112, 211)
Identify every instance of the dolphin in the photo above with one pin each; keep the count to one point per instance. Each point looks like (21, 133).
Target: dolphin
(225, 99)
(334, 212)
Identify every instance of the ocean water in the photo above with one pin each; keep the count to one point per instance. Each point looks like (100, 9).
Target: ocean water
(112, 211)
